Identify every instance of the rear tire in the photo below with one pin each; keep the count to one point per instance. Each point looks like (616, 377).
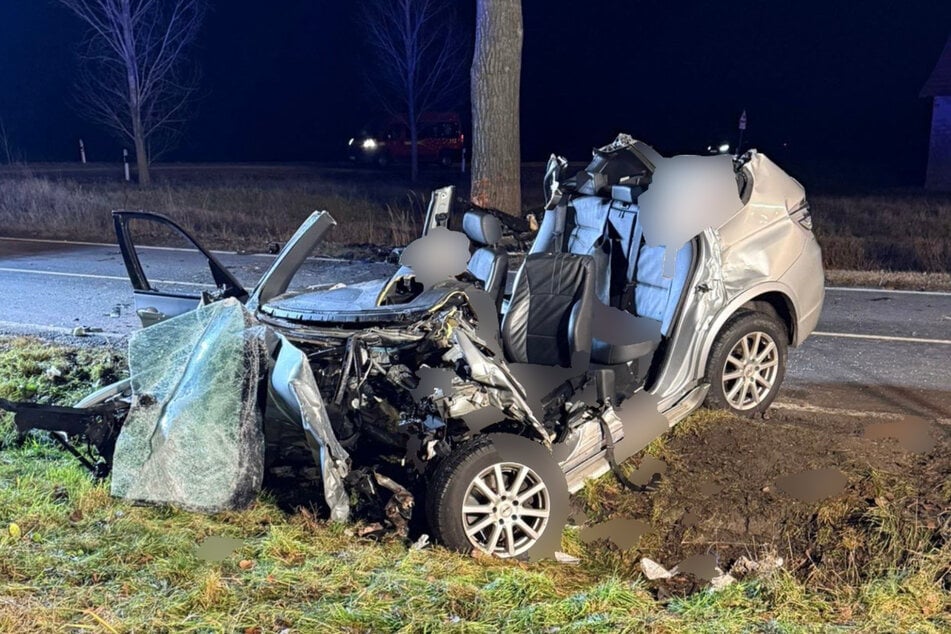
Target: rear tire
(747, 364)
(501, 494)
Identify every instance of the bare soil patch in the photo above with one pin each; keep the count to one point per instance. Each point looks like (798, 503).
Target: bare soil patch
(723, 490)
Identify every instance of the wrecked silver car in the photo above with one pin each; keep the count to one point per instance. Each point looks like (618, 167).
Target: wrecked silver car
(653, 285)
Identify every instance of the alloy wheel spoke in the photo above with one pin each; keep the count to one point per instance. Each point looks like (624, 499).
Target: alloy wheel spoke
(494, 538)
(762, 380)
(732, 394)
(510, 539)
(485, 489)
(746, 392)
(530, 492)
(519, 479)
(480, 525)
(765, 354)
(528, 530)
(530, 512)
(499, 480)
(476, 509)
(732, 375)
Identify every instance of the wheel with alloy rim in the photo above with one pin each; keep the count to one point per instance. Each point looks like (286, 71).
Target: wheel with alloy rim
(500, 494)
(747, 364)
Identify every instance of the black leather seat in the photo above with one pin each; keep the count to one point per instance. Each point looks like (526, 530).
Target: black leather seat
(489, 263)
(549, 317)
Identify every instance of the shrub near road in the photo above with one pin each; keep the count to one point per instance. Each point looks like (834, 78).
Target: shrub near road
(874, 558)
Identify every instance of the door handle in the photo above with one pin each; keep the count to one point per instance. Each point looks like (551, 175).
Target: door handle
(150, 315)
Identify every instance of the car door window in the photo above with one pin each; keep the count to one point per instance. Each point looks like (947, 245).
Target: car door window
(172, 264)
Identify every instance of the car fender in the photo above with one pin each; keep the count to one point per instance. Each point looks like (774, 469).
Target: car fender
(734, 305)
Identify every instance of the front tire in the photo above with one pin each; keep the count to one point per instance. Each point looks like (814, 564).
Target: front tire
(500, 494)
(747, 364)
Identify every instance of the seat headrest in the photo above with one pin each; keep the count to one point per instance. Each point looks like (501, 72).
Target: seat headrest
(626, 193)
(482, 227)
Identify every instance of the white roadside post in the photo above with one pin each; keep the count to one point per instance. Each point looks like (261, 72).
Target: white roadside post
(125, 162)
(82, 152)
(742, 126)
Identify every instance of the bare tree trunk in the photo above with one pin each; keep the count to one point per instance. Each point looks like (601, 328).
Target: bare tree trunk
(496, 76)
(5, 143)
(128, 36)
(414, 148)
(141, 153)
(411, 49)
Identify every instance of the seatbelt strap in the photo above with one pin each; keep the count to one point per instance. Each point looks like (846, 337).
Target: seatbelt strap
(612, 461)
(627, 298)
(561, 225)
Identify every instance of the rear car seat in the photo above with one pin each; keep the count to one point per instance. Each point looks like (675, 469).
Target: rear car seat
(655, 296)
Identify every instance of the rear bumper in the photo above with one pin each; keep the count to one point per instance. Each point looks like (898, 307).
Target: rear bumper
(807, 277)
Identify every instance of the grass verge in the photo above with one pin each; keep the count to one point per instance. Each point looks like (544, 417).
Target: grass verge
(897, 280)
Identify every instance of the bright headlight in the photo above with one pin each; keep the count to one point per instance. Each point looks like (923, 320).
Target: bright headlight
(369, 144)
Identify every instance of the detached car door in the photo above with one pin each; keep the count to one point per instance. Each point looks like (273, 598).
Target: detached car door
(171, 273)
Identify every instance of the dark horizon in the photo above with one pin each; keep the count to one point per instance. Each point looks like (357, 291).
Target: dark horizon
(821, 85)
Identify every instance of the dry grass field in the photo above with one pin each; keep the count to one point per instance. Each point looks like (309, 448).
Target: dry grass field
(246, 207)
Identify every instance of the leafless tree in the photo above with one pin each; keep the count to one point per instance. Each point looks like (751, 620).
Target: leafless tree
(133, 77)
(5, 144)
(420, 55)
(496, 77)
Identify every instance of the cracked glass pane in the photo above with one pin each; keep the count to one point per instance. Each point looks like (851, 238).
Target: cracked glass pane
(193, 436)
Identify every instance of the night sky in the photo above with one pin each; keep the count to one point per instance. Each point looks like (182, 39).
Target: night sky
(822, 82)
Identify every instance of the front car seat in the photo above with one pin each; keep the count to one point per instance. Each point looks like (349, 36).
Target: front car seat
(489, 264)
(549, 317)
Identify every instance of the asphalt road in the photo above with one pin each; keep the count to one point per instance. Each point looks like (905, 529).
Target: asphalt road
(865, 337)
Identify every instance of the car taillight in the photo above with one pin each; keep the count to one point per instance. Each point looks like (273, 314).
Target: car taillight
(803, 216)
(806, 220)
